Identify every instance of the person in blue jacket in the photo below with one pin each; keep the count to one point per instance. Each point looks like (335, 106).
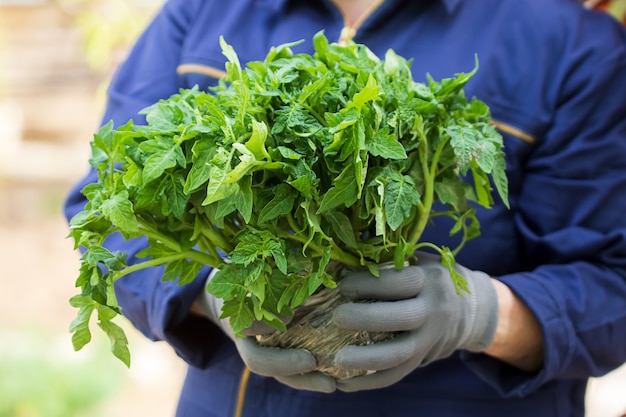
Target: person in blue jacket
(548, 277)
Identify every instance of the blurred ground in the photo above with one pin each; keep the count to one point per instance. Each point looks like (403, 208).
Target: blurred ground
(48, 110)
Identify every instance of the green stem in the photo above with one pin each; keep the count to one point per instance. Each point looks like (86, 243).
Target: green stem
(336, 253)
(207, 246)
(292, 223)
(427, 245)
(155, 235)
(342, 256)
(214, 236)
(429, 173)
(315, 114)
(191, 254)
(212, 260)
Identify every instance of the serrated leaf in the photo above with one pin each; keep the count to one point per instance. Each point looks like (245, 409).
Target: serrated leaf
(281, 204)
(452, 192)
(368, 93)
(244, 199)
(219, 187)
(342, 226)
(199, 174)
(229, 52)
(256, 143)
(228, 283)
(287, 297)
(173, 270)
(162, 156)
(239, 312)
(401, 195)
(246, 253)
(385, 145)
(80, 325)
(448, 261)
(344, 192)
(119, 210)
(118, 340)
(277, 251)
(283, 149)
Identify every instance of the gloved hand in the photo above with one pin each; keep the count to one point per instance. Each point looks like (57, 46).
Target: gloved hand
(292, 367)
(421, 302)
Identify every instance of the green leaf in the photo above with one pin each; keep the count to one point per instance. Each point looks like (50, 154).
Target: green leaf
(247, 252)
(344, 192)
(203, 152)
(277, 251)
(401, 195)
(451, 191)
(98, 254)
(257, 287)
(190, 272)
(219, 186)
(239, 312)
(385, 145)
(228, 283)
(320, 276)
(80, 325)
(117, 337)
(256, 143)
(286, 164)
(482, 186)
(276, 285)
(281, 204)
(465, 140)
(173, 270)
(368, 93)
(342, 227)
(163, 154)
(233, 66)
(119, 210)
(288, 153)
(244, 199)
(448, 261)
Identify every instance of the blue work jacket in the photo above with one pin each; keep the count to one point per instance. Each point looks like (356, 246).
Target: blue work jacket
(554, 76)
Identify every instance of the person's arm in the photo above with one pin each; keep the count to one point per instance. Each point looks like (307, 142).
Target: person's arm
(563, 317)
(570, 216)
(158, 309)
(518, 340)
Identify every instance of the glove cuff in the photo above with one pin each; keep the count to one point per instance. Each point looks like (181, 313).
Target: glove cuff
(208, 303)
(484, 312)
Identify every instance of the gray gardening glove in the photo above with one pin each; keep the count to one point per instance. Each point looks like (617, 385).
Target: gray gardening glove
(292, 367)
(421, 302)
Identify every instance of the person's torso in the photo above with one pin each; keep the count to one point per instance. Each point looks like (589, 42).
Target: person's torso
(519, 75)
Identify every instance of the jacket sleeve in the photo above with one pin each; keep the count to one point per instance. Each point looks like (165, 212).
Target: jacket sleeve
(158, 309)
(571, 218)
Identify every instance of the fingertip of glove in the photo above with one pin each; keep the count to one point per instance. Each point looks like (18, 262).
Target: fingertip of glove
(313, 381)
(307, 359)
(343, 316)
(344, 358)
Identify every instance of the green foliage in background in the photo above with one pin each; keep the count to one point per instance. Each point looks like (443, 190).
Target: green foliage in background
(42, 377)
(617, 8)
(108, 27)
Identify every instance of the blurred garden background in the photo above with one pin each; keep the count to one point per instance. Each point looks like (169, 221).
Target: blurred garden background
(56, 57)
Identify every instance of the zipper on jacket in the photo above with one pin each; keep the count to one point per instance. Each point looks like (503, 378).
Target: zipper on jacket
(350, 28)
(241, 394)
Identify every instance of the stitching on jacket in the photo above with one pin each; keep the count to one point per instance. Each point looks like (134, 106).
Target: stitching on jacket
(514, 131)
(200, 69)
(241, 394)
